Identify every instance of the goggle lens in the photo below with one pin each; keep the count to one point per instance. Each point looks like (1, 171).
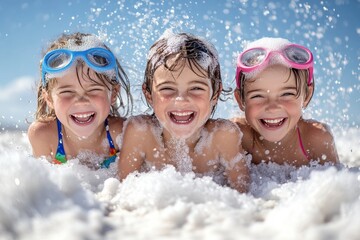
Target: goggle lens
(99, 59)
(297, 55)
(253, 57)
(59, 60)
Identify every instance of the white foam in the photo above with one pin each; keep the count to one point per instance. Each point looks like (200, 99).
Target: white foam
(273, 44)
(39, 198)
(91, 41)
(180, 155)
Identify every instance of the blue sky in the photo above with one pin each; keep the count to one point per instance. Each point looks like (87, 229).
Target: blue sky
(331, 29)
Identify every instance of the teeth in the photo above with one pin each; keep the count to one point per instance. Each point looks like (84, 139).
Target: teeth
(83, 115)
(182, 113)
(273, 121)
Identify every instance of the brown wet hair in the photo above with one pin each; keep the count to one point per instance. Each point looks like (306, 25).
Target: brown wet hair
(192, 51)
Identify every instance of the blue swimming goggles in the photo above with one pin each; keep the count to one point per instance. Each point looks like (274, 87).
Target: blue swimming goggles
(99, 59)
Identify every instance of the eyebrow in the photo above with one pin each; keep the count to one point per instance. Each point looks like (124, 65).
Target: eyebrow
(202, 82)
(263, 90)
(65, 86)
(165, 83)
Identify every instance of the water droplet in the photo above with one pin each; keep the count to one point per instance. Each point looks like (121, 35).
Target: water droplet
(17, 181)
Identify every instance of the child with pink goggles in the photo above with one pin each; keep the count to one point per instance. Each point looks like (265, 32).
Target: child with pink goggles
(274, 84)
(255, 59)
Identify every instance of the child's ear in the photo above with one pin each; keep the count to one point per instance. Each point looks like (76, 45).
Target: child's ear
(47, 98)
(309, 95)
(114, 93)
(239, 100)
(147, 94)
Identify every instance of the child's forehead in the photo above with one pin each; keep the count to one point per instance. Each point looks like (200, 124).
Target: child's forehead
(181, 72)
(80, 73)
(274, 75)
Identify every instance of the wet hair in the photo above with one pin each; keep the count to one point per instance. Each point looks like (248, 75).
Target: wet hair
(301, 76)
(124, 103)
(173, 51)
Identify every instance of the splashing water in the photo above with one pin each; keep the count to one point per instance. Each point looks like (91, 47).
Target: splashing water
(229, 26)
(44, 201)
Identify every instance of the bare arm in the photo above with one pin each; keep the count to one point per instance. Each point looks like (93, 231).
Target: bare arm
(132, 153)
(233, 157)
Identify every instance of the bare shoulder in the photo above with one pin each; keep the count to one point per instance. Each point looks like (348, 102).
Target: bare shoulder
(116, 125)
(40, 130)
(247, 132)
(141, 123)
(314, 131)
(242, 124)
(317, 136)
(224, 131)
(139, 141)
(141, 127)
(221, 125)
(42, 137)
(239, 120)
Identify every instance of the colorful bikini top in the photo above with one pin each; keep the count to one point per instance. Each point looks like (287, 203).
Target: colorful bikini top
(60, 156)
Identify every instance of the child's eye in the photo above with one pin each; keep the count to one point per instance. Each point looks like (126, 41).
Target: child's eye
(95, 90)
(197, 89)
(66, 92)
(166, 89)
(286, 94)
(255, 96)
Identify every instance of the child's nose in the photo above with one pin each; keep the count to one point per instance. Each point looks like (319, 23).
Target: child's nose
(82, 97)
(272, 104)
(181, 97)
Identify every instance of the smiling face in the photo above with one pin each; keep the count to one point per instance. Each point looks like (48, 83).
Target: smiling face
(81, 105)
(271, 104)
(181, 100)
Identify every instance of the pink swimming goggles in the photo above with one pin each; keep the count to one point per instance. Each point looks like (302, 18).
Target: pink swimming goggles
(294, 55)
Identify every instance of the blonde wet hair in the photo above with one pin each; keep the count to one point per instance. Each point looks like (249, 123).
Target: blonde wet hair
(81, 41)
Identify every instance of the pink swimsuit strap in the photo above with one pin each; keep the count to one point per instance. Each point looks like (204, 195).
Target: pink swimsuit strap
(301, 144)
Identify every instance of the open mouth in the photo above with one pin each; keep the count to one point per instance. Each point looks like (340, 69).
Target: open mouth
(83, 118)
(182, 117)
(273, 123)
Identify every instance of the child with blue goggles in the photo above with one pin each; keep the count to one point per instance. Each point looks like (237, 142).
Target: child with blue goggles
(79, 98)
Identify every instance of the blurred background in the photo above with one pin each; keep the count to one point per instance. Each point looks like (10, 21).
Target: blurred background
(331, 29)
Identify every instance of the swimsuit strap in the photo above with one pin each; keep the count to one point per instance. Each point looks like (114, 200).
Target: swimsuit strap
(302, 145)
(112, 151)
(60, 156)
